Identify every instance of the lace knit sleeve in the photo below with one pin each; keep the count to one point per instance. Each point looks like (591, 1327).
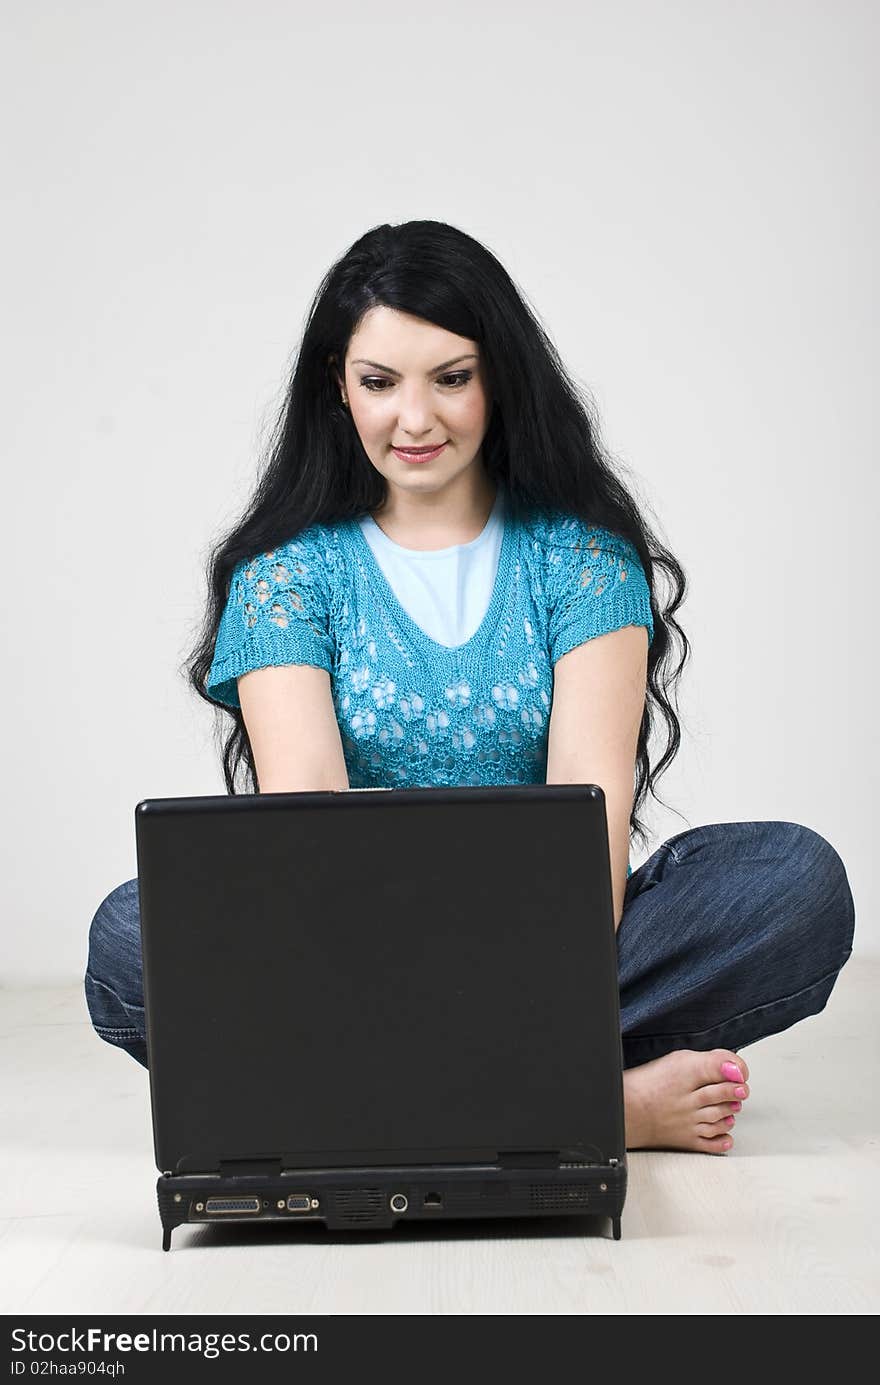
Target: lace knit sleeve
(594, 583)
(277, 612)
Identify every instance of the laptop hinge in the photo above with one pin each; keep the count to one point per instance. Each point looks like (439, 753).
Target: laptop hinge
(250, 1168)
(528, 1158)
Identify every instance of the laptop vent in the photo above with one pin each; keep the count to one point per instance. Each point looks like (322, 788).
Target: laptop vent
(557, 1196)
(358, 1204)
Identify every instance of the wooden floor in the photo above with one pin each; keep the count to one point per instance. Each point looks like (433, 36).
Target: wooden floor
(786, 1223)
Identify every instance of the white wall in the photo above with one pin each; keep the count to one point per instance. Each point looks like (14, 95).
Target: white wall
(686, 193)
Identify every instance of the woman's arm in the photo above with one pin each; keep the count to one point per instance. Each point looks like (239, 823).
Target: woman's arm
(291, 724)
(599, 693)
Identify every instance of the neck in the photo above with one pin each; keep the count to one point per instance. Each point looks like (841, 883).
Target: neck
(428, 522)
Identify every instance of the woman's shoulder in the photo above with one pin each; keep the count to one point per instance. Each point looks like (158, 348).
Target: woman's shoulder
(556, 532)
(311, 550)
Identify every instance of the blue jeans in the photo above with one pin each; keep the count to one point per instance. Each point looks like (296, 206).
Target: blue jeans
(730, 932)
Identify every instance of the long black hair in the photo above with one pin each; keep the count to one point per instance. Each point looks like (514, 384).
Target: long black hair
(542, 444)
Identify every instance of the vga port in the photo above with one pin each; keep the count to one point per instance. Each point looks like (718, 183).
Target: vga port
(219, 1205)
(299, 1202)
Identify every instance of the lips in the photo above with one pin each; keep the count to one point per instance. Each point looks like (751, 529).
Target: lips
(420, 454)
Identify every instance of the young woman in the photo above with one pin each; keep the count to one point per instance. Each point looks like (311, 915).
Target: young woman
(442, 580)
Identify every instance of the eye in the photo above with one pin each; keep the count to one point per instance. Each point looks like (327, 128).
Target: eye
(457, 379)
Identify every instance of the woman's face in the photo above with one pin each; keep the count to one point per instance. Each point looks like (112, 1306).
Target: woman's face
(411, 384)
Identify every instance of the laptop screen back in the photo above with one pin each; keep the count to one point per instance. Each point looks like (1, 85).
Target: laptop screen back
(407, 976)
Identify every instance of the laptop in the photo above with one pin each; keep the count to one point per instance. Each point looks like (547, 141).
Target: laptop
(376, 1006)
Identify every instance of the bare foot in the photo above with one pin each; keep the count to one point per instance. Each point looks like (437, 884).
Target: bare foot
(684, 1100)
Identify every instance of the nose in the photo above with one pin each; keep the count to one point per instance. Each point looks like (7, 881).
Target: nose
(415, 416)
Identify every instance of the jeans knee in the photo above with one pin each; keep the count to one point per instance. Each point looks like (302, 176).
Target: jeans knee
(113, 980)
(820, 874)
(114, 950)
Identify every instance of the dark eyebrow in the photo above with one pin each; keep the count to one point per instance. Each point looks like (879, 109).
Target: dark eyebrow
(387, 368)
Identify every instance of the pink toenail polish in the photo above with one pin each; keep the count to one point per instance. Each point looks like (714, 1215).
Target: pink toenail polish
(736, 1105)
(739, 1091)
(725, 1144)
(731, 1072)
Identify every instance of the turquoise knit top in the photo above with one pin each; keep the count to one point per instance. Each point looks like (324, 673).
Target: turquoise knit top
(412, 712)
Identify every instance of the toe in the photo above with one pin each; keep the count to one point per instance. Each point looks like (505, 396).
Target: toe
(742, 1065)
(706, 1115)
(725, 1064)
(720, 1091)
(719, 1144)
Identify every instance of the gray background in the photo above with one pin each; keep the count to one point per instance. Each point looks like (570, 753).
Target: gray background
(685, 192)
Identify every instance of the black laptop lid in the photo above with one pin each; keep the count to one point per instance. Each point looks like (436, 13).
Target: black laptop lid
(380, 977)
